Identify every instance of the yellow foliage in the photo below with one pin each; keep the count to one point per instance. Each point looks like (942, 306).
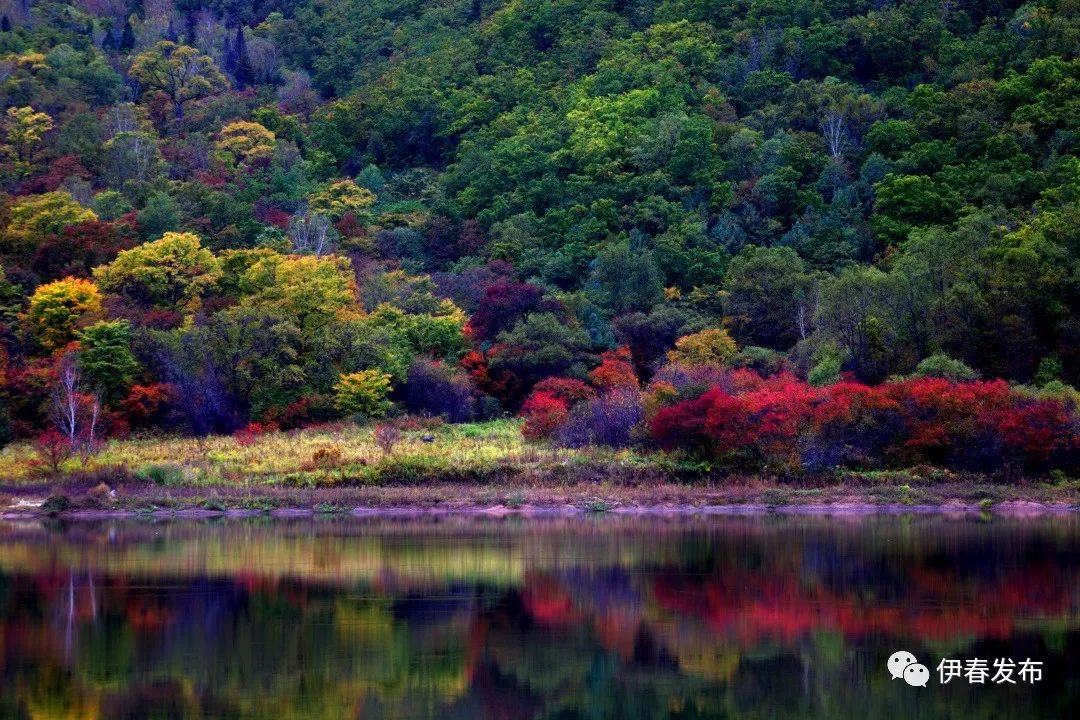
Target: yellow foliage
(246, 142)
(341, 197)
(33, 217)
(57, 309)
(708, 347)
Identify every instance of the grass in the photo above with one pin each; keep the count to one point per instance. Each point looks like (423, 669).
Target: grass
(335, 468)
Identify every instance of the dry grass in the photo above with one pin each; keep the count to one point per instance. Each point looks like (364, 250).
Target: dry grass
(343, 454)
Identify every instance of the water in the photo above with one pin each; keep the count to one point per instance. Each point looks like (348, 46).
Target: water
(741, 617)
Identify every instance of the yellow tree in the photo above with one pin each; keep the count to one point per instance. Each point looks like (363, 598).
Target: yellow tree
(172, 272)
(183, 73)
(24, 128)
(340, 197)
(313, 290)
(33, 217)
(708, 347)
(58, 309)
(246, 142)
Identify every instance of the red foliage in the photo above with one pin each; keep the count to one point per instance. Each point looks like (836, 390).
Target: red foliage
(544, 413)
(248, 434)
(615, 370)
(503, 305)
(146, 405)
(305, 411)
(979, 425)
(55, 173)
(271, 215)
(53, 448)
(1037, 430)
(568, 390)
(80, 248)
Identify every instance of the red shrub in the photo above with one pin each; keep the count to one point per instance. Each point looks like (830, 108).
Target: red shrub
(247, 435)
(1037, 430)
(570, 391)
(53, 448)
(544, 413)
(146, 405)
(615, 370)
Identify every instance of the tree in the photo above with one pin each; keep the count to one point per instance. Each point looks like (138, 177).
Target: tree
(106, 360)
(25, 128)
(363, 393)
(626, 280)
(173, 272)
(855, 311)
(182, 73)
(34, 217)
(78, 249)
(313, 290)
(540, 346)
(160, 215)
(245, 142)
(57, 309)
(713, 346)
(769, 296)
(503, 304)
(340, 197)
(312, 233)
(75, 413)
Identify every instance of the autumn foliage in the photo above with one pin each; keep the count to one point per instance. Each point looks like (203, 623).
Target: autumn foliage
(982, 426)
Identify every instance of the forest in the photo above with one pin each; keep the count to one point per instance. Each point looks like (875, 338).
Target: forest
(800, 235)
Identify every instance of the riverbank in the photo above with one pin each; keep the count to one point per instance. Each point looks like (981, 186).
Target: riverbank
(477, 469)
(135, 499)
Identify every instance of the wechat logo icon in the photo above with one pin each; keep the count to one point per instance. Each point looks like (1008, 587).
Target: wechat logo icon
(903, 664)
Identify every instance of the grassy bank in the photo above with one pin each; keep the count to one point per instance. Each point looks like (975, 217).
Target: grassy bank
(337, 468)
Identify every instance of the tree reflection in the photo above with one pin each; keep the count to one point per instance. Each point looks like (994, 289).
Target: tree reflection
(621, 619)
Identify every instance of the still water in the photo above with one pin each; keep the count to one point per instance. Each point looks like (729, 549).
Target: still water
(737, 617)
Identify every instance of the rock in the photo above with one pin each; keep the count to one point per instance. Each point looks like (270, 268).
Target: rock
(428, 438)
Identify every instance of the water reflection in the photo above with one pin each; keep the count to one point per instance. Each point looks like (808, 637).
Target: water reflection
(737, 617)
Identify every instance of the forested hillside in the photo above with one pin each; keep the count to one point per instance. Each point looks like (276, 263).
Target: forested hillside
(217, 213)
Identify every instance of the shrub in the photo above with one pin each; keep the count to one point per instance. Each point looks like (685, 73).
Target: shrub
(945, 367)
(761, 360)
(53, 448)
(326, 458)
(363, 393)
(435, 388)
(387, 435)
(614, 371)
(982, 426)
(163, 475)
(543, 413)
(308, 410)
(610, 419)
(568, 390)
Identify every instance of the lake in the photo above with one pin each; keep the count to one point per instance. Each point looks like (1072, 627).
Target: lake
(725, 617)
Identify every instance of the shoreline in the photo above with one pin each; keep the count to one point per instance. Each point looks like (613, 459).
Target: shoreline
(529, 503)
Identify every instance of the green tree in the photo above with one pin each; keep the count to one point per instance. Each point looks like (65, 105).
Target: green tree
(626, 281)
(769, 297)
(106, 360)
(363, 393)
(173, 272)
(182, 73)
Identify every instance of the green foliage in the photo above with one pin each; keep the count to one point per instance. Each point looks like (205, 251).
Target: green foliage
(173, 272)
(942, 366)
(363, 393)
(106, 359)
